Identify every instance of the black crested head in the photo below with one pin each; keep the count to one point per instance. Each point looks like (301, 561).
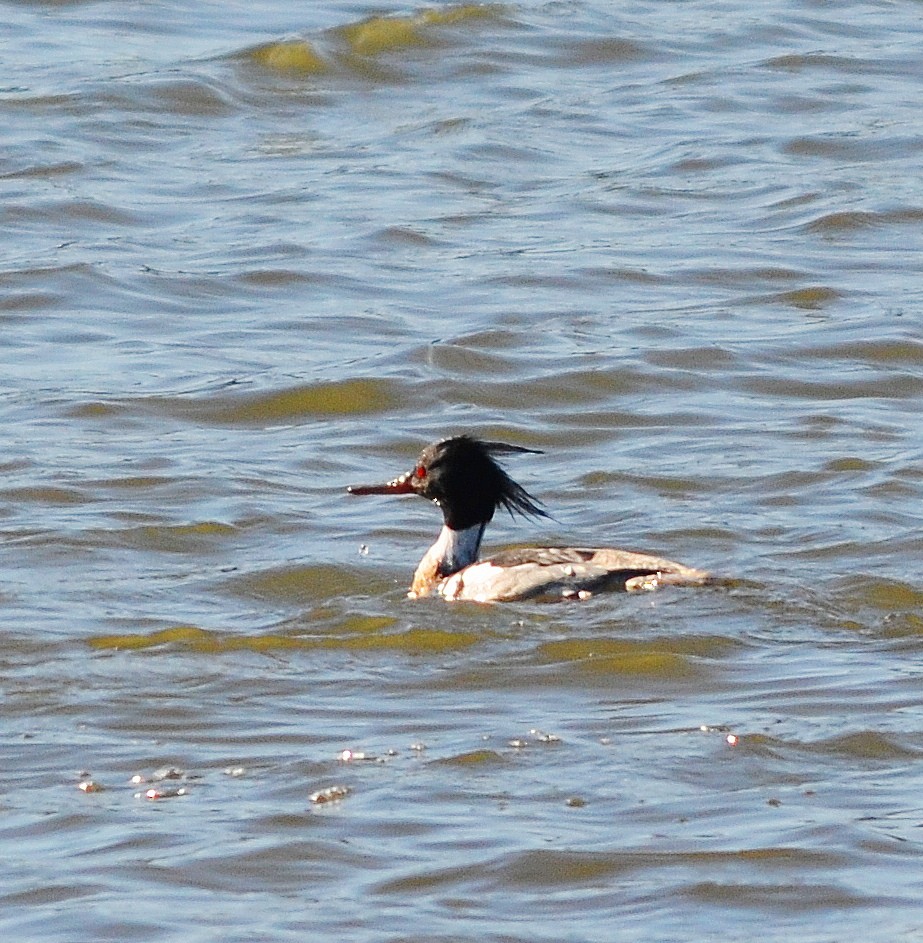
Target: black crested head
(463, 477)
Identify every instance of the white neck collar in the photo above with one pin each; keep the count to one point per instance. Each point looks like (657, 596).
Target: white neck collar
(456, 549)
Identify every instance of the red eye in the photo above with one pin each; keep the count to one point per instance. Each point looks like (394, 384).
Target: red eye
(419, 472)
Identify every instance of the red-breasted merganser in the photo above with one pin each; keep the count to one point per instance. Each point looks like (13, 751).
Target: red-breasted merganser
(461, 475)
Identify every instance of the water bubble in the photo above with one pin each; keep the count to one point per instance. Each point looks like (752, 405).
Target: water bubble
(162, 792)
(330, 794)
(352, 756)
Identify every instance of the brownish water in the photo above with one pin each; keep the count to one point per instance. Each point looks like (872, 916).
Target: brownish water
(253, 255)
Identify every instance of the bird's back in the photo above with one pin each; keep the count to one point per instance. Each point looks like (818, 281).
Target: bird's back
(565, 573)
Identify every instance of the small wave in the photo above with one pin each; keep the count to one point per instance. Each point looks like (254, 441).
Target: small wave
(882, 594)
(195, 538)
(380, 34)
(786, 898)
(354, 397)
(356, 633)
(904, 351)
(298, 585)
(296, 55)
(866, 745)
(853, 221)
(810, 298)
(845, 147)
(348, 48)
(670, 659)
(554, 870)
(822, 62)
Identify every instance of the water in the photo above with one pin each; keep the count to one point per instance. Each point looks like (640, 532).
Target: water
(253, 256)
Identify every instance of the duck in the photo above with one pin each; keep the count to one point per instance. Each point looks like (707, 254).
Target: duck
(463, 476)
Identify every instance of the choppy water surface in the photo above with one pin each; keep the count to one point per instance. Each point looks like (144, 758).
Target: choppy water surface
(253, 254)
